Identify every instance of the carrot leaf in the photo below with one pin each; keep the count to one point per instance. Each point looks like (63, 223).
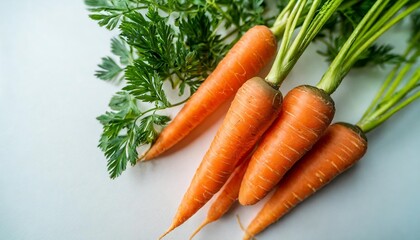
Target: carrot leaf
(160, 41)
(110, 70)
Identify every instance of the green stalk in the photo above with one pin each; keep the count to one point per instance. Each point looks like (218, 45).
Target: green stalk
(290, 50)
(273, 76)
(321, 18)
(374, 35)
(394, 82)
(412, 59)
(388, 100)
(374, 21)
(373, 123)
(336, 72)
(379, 95)
(296, 45)
(278, 27)
(362, 37)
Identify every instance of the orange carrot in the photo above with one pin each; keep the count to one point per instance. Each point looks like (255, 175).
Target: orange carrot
(227, 197)
(247, 57)
(306, 113)
(252, 111)
(342, 146)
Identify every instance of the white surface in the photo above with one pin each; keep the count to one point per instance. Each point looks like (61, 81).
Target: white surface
(53, 180)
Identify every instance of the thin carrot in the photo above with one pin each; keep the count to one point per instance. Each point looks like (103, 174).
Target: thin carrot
(299, 127)
(227, 197)
(252, 111)
(247, 57)
(337, 150)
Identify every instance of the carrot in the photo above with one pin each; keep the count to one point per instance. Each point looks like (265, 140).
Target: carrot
(306, 113)
(299, 127)
(341, 146)
(227, 197)
(252, 111)
(247, 57)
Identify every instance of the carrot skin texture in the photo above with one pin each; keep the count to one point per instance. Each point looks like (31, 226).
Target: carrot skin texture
(245, 60)
(226, 198)
(339, 148)
(252, 111)
(306, 113)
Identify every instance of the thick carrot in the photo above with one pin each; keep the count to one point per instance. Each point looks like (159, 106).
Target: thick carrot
(252, 111)
(306, 113)
(341, 147)
(247, 57)
(226, 198)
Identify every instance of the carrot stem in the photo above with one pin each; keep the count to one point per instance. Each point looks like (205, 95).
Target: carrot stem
(296, 45)
(371, 27)
(368, 127)
(281, 20)
(389, 107)
(376, 34)
(390, 84)
(274, 77)
(336, 72)
(291, 49)
(374, 22)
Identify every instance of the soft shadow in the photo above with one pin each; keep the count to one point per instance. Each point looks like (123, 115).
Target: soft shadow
(203, 128)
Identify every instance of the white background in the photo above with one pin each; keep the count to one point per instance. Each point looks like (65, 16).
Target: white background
(53, 178)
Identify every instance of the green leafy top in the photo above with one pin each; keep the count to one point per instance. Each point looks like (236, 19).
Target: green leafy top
(401, 87)
(342, 24)
(173, 41)
(381, 17)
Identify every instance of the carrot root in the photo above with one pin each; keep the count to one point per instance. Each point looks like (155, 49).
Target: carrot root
(339, 148)
(202, 225)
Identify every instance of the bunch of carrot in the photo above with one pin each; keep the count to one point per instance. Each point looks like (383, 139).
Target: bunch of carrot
(262, 135)
(255, 106)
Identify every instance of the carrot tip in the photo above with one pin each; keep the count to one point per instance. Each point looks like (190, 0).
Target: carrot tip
(247, 235)
(167, 231)
(199, 228)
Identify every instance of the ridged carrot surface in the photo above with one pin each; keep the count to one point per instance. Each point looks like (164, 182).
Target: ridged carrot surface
(252, 111)
(341, 147)
(226, 198)
(306, 113)
(245, 60)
